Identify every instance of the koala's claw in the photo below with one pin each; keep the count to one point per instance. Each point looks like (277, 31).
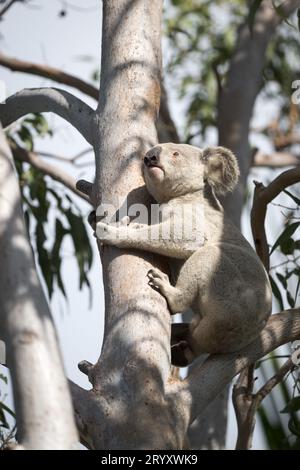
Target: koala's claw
(157, 275)
(158, 280)
(124, 221)
(105, 232)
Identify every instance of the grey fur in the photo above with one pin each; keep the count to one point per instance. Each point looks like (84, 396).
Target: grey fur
(219, 276)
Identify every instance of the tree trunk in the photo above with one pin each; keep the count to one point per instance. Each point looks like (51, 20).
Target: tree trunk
(39, 383)
(131, 373)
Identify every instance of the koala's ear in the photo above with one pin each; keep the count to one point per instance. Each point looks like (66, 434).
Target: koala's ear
(221, 169)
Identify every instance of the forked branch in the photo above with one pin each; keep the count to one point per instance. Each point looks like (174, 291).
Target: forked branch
(52, 73)
(55, 172)
(60, 102)
(206, 381)
(263, 195)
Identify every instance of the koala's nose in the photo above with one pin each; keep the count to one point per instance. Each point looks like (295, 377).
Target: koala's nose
(150, 160)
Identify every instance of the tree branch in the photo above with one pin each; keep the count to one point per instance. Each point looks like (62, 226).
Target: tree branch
(6, 7)
(285, 140)
(83, 406)
(262, 197)
(275, 380)
(71, 160)
(39, 100)
(167, 131)
(244, 407)
(191, 396)
(246, 403)
(54, 172)
(52, 73)
(274, 160)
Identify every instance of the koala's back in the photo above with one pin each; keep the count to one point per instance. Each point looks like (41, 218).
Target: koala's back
(230, 295)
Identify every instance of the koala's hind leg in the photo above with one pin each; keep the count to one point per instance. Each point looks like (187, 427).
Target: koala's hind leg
(178, 300)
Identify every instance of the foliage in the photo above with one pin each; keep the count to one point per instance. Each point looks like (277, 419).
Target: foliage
(282, 428)
(6, 431)
(287, 247)
(48, 209)
(283, 432)
(201, 40)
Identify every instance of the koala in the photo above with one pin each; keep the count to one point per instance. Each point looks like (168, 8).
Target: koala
(217, 273)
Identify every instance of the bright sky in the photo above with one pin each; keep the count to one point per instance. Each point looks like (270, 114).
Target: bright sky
(38, 34)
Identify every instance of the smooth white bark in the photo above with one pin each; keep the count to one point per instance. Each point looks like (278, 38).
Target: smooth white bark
(60, 102)
(131, 374)
(42, 400)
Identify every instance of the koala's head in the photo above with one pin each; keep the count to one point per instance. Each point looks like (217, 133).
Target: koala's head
(172, 170)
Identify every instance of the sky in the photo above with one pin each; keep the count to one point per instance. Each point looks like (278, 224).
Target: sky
(72, 43)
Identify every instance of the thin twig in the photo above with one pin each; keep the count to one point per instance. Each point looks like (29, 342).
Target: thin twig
(54, 172)
(52, 73)
(263, 195)
(244, 407)
(246, 403)
(274, 160)
(72, 160)
(273, 381)
(7, 7)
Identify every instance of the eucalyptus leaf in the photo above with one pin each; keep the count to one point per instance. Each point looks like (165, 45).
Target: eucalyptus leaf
(276, 292)
(292, 406)
(285, 235)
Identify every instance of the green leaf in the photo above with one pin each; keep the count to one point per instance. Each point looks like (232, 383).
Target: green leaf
(298, 17)
(26, 137)
(8, 410)
(292, 196)
(297, 290)
(252, 13)
(290, 299)
(274, 431)
(83, 251)
(45, 265)
(4, 378)
(276, 292)
(39, 123)
(3, 421)
(294, 426)
(286, 234)
(60, 232)
(287, 246)
(292, 406)
(282, 279)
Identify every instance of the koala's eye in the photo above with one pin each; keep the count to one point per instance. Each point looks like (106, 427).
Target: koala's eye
(175, 154)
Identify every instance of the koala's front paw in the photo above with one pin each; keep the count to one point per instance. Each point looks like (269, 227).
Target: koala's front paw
(106, 233)
(124, 222)
(158, 280)
(136, 225)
